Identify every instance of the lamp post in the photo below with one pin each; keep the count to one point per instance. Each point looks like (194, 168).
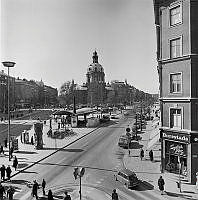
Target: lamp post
(8, 64)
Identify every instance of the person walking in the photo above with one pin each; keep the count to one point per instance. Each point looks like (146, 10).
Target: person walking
(114, 195)
(50, 195)
(67, 196)
(43, 186)
(10, 193)
(3, 170)
(35, 189)
(141, 154)
(8, 172)
(15, 163)
(11, 151)
(151, 155)
(2, 191)
(1, 149)
(161, 184)
(32, 140)
(5, 143)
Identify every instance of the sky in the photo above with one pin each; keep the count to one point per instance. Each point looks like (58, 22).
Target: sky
(54, 40)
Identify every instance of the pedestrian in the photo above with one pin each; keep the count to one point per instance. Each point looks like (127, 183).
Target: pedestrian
(58, 125)
(10, 193)
(114, 195)
(15, 163)
(3, 169)
(161, 184)
(141, 154)
(50, 195)
(151, 155)
(8, 172)
(67, 196)
(43, 186)
(6, 143)
(11, 151)
(35, 189)
(2, 191)
(32, 140)
(1, 149)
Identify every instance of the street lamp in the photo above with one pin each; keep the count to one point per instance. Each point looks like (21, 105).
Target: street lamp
(8, 64)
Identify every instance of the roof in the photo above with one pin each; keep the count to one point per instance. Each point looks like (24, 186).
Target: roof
(126, 171)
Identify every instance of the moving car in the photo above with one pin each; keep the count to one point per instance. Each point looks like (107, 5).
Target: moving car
(128, 178)
(123, 141)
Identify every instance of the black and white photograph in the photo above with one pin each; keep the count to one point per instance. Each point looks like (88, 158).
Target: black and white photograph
(99, 99)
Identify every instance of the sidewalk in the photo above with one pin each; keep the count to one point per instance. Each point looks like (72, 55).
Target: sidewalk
(149, 172)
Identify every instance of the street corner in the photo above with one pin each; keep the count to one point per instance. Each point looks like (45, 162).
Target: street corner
(88, 192)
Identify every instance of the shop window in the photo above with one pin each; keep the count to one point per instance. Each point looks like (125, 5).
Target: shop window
(176, 83)
(175, 118)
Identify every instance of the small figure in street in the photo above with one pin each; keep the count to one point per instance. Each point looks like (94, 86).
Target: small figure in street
(161, 184)
(67, 196)
(114, 195)
(58, 125)
(1, 149)
(151, 155)
(2, 191)
(10, 193)
(8, 172)
(43, 186)
(50, 195)
(32, 140)
(3, 169)
(5, 143)
(35, 189)
(15, 163)
(11, 151)
(141, 154)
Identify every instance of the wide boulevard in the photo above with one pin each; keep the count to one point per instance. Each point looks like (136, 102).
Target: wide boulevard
(101, 157)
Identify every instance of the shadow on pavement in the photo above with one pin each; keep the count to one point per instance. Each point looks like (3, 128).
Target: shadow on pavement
(66, 150)
(20, 182)
(22, 165)
(172, 194)
(144, 185)
(25, 152)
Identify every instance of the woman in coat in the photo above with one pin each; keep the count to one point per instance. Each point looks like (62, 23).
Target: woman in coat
(50, 195)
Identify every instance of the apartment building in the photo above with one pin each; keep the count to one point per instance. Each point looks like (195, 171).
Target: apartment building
(177, 54)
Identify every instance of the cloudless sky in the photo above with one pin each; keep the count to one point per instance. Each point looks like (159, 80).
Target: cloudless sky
(54, 40)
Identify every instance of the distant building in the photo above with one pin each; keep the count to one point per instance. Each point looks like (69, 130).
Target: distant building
(177, 54)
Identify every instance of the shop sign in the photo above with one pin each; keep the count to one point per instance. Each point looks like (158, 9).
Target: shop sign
(177, 137)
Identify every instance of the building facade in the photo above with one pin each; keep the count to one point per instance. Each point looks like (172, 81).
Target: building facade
(177, 54)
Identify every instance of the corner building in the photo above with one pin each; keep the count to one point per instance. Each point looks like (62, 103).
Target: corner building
(177, 54)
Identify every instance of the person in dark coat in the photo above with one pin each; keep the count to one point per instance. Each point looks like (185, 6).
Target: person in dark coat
(32, 140)
(50, 195)
(8, 172)
(2, 191)
(161, 184)
(151, 155)
(114, 195)
(1, 149)
(43, 186)
(10, 193)
(11, 151)
(5, 143)
(15, 163)
(67, 196)
(35, 189)
(141, 154)
(3, 169)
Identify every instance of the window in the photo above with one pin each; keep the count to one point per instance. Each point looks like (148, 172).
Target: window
(175, 15)
(175, 118)
(175, 47)
(176, 83)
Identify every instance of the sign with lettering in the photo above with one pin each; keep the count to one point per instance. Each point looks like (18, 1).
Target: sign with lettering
(177, 137)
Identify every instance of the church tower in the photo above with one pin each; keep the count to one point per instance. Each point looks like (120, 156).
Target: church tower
(95, 82)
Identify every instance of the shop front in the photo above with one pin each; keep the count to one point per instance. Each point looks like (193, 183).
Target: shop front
(175, 152)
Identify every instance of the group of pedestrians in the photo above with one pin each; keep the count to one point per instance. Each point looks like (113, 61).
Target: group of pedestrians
(9, 193)
(150, 154)
(5, 172)
(50, 196)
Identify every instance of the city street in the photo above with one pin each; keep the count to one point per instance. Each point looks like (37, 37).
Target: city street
(101, 157)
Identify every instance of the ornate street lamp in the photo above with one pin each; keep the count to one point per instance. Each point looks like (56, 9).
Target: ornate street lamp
(8, 64)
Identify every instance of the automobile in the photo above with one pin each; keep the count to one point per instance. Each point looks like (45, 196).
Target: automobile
(124, 141)
(114, 116)
(127, 177)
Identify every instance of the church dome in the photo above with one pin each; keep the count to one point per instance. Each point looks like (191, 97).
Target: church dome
(95, 66)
